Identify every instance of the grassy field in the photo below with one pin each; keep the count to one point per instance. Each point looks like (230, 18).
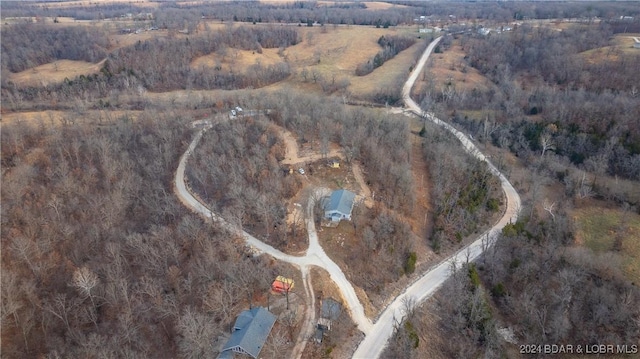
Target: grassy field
(237, 59)
(598, 227)
(54, 72)
(449, 68)
(618, 45)
(333, 52)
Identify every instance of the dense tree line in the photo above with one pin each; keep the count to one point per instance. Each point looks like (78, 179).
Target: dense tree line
(96, 11)
(391, 46)
(542, 51)
(549, 100)
(99, 258)
(571, 284)
(464, 193)
(176, 15)
(29, 45)
(534, 282)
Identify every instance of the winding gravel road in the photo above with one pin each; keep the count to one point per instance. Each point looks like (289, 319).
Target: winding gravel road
(314, 255)
(377, 338)
(376, 335)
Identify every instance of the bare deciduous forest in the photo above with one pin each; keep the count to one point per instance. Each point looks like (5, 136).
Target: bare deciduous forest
(100, 258)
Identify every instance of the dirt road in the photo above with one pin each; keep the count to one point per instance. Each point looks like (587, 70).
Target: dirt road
(375, 341)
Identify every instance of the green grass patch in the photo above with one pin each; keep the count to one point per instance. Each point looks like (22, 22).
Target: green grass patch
(597, 229)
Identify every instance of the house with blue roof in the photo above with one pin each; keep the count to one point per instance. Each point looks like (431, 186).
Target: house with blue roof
(249, 334)
(339, 205)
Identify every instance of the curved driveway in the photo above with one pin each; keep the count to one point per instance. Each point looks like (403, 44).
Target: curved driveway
(375, 341)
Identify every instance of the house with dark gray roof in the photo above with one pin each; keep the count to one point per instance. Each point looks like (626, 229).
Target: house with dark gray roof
(339, 205)
(250, 332)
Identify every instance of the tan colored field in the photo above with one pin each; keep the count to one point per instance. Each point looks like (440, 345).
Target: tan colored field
(59, 117)
(237, 59)
(598, 227)
(381, 5)
(337, 51)
(619, 44)
(54, 72)
(450, 67)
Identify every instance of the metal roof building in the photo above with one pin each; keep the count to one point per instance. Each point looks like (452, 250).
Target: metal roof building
(250, 332)
(339, 205)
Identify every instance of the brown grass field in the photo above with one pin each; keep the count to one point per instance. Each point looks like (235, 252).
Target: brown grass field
(237, 59)
(334, 52)
(618, 45)
(56, 117)
(54, 72)
(450, 67)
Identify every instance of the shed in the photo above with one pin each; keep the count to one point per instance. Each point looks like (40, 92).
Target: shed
(282, 284)
(334, 163)
(339, 205)
(250, 332)
(331, 309)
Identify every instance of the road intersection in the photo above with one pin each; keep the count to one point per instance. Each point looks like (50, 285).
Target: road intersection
(378, 334)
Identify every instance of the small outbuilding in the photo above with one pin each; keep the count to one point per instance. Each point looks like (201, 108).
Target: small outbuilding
(333, 163)
(339, 205)
(282, 285)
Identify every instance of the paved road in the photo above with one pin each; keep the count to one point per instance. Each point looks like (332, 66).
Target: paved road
(377, 338)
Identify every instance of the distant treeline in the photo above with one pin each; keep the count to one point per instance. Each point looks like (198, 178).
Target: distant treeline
(176, 14)
(29, 45)
(391, 46)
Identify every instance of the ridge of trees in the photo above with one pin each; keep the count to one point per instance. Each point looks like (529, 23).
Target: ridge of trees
(29, 45)
(391, 46)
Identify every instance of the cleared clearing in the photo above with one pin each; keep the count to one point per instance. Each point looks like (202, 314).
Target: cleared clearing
(234, 59)
(620, 44)
(598, 227)
(381, 5)
(451, 69)
(54, 72)
(335, 52)
(58, 117)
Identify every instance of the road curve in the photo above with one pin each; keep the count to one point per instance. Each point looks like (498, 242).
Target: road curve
(314, 256)
(377, 338)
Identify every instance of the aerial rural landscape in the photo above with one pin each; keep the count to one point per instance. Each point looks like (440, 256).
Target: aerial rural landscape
(320, 179)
